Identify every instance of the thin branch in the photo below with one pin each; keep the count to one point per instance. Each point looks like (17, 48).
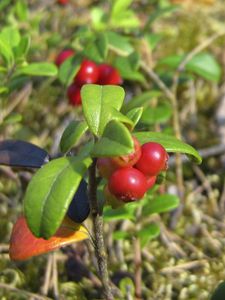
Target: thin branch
(98, 232)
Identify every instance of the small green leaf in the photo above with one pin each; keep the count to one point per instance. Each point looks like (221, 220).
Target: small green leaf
(135, 115)
(118, 116)
(162, 203)
(98, 49)
(21, 10)
(6, 51)
(170, 143)
(13, 118)
(140, 100)
(23, 47)
(97, 104)
(11, 36)
(159, 114)
(72, 134)
(203, 64)
(69, 69)
(50, 192)
(119, 43)
(120, 6)
(148, 233)
(38, 69)
(116, 140)
(126, 69)
(118, 214)
(121, 235)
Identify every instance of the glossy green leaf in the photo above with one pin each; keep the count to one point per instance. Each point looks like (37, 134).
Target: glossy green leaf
(118, 214)
(148, 233)
(140, 100)
(126, 69)
(116, 140)
(38, 69)
(135, 115)
(119, 43)
(170, 143)
(11, 36)
(23, 47)
(160, 204)
(159, 114)
(98, 49)
(50, 192)
(118, 116)
(6, 51)
(69, 68)
(203, 64)
(72, 134)
(97, 104)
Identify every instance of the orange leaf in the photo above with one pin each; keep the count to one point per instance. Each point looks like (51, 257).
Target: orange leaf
(23, 244)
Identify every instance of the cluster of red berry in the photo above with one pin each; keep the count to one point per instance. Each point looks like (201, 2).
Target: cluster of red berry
(89, 72)
(130, 176)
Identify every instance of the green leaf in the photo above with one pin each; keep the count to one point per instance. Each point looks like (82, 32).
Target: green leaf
(98, 49)
(116, 140)
(135, 115)
(97, 104)
(38, 69)
(203, 64)
(69, 69)
(170, 143)
(126, 69)
(121, 235)
(153, 39)
(140, 100)
(118, 214)
(119, 43)
(148, 233)
(13, 118)
(50, 192)
(118, 116)
(11, 36)
(23, 47)
(72, 134)
(120, 6)
(159, 13)
(159, 114)
(6, 51)
(21, 10)
(162, 203)
(126, 19)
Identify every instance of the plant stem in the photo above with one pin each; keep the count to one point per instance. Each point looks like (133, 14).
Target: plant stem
(138, 270)
(98, 233)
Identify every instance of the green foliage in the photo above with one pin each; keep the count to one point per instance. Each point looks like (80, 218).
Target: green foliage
(72, 134)
(148, 233)
(170, 143)
(50, 192)
(219, 293)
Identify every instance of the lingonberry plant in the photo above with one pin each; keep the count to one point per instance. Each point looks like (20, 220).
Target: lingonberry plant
(64, 190)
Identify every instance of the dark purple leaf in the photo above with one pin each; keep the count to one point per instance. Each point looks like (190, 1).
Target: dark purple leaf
(17, 153)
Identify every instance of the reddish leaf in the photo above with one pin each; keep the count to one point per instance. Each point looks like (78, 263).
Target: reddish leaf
(23, 244)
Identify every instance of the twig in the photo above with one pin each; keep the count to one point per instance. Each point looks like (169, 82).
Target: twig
(55, 276)
(138, 270)
(184, 267)
(29, 294)
(98, 232)
(48, 271)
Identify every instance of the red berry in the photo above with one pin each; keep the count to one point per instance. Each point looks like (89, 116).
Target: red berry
(88, 73)
(130, 159)
(73, 94)
(63, 55)
(153, 159)
(108, 75)
(63, 2)
(106, 166)
(127, 184)
(110, 199)
(151, 181)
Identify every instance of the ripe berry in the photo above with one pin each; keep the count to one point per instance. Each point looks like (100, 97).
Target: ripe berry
(108, 75)
(73, 94)
(153, 159)
(127, 184)
(79, 208)
(130, 159)
(110, 199)
(63, 2)
(151, 181)
(63, 55)
(105, 166)
(88, 73)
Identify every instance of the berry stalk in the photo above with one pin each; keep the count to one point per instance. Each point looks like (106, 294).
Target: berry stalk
(97, 218)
